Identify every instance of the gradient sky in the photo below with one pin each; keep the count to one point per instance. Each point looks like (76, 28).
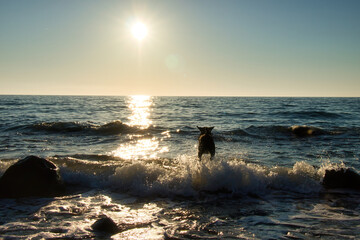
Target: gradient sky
(212, 48)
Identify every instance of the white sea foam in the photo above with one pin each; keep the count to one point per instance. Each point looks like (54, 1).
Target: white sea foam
(302, 178)
(186, 177)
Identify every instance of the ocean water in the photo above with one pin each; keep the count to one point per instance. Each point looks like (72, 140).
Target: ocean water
(134, 159)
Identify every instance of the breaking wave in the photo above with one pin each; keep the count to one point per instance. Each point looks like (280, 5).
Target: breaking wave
(187, 177)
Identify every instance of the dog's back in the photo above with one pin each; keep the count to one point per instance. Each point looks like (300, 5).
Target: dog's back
(206, 142)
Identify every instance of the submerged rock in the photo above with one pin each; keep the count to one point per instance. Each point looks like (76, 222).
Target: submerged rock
(31, 176)
(106, 225)
(343, 178)
(304, 131)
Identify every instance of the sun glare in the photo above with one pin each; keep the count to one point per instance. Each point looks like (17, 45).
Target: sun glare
(141, 146)
(140, 108)
(139, 31)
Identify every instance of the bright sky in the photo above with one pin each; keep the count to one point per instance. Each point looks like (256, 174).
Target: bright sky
(194, 48)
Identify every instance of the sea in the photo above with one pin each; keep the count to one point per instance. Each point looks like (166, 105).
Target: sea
(134, 160)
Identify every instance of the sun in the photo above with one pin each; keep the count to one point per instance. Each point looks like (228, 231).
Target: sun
(139, 30)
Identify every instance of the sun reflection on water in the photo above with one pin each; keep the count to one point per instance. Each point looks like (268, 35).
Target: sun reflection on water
(141, 146)
(140, 106)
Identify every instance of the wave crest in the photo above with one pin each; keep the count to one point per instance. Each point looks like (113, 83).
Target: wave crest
(115, 127)
(191, 178)
(187, 177)
(309, 114)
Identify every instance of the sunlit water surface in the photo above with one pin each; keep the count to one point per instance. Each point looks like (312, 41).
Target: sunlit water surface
(134, 159)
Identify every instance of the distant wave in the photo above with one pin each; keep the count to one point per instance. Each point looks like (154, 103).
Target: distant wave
(116, 127)
(60, 126)
(187, 177)
(237, 132)
(308, 114)
(274, 131)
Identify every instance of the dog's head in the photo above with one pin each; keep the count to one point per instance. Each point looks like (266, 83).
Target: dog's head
(205, 130)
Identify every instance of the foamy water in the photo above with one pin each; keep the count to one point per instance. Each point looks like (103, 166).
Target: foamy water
(134, 159)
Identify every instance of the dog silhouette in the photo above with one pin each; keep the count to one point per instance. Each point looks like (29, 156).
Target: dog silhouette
(206, 142)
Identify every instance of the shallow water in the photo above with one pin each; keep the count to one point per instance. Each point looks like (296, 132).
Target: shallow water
(134, 160)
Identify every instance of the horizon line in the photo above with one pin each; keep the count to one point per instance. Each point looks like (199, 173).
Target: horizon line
(223, 96)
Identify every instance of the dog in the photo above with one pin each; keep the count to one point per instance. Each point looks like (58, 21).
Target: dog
(206, 142)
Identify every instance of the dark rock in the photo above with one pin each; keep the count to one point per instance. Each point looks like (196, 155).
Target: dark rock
(106, 225)
(304, 131)
(343, 178)
(31, 176)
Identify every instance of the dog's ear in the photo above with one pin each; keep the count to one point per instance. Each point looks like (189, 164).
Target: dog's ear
(202, 129)
(210, 129)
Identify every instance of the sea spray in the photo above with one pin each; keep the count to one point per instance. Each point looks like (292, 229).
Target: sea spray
(301, 178)
(189, 177)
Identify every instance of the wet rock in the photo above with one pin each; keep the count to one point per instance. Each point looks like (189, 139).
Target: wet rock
(342, 178)
(31, 176)
(304, 131)
(106, 225)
